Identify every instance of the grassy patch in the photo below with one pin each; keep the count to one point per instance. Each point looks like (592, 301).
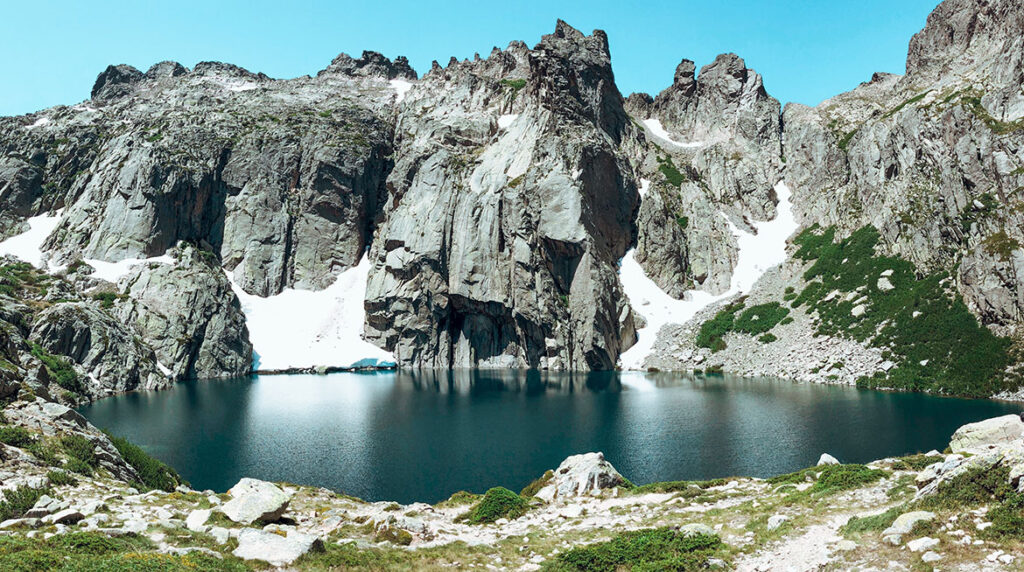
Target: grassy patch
(81, 454)
(975, 487)
(973, 103)
(61, 478)
(653, 549)
(497, 503)
(875, 523)
(515, 85)
(460, 498)
(1007, 519)
(756, 321)
(915, 462)
(668, 168)
(533, 488)
(154, 473)
(1000, 245)
(835, 478)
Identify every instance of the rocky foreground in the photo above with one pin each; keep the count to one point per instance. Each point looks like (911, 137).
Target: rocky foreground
(105, 505)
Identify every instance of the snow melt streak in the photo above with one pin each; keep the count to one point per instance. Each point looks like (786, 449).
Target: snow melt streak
(757, 254)
(300, 328)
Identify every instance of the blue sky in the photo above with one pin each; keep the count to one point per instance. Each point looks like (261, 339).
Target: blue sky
(806, 50)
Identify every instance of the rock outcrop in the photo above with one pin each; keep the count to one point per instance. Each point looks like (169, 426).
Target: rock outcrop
(580, 475)
(508, 208)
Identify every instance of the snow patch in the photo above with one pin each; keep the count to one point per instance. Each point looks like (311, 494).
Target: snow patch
(301, 328)
(758, 253)
(28, 246)
(163, 369)
(114, 271)
(645, 184)
(401, 87)
(505, 120)
(39, 123)
(658, 131)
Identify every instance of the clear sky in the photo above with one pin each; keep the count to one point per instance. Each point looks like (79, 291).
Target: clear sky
(806, 50)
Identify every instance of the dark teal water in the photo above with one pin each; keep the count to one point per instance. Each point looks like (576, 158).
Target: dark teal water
(420, 437)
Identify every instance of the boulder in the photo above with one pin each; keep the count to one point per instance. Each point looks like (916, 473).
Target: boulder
(986, 434)
(580, 475)
(922, 544)
(254, 500)
(66, 516)
(196, 520)
(776, 521)
(273, 548)
(695, 529)
(827, 459)
(905, 522)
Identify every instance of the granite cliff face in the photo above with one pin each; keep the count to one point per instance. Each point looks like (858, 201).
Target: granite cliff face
(499, 200)
(507, 210)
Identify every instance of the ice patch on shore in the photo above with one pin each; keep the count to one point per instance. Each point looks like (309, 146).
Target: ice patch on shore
(303, 329)
(758, 252)
(28, 246)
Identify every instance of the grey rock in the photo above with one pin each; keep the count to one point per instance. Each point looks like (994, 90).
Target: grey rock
(827, 459)
(196, 520)
(580, 475)
(905, 522)
(986, 434)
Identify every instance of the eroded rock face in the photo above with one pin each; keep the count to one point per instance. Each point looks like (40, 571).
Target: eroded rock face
(499, 241)
(190, 316)
(987, 434)
(116, 359)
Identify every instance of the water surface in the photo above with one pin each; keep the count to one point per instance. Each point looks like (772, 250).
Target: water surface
(422, 436)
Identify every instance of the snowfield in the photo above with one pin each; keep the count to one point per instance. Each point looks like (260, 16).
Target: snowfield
(401, 87)
(758, 252)
(28, 246)
(304, 329)
(114, 271)
(505, 120)
(658, 131)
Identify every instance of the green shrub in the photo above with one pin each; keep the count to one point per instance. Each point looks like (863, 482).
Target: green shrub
(516, 85)
(711, 331)
(760, 319)
(498, 502)
(16, 436)
(459, 499)
(834, 478)
(17, 501)
(767, 338)
(154, 474)
(61, 478)
(45, 452)
(651, 549)
(81, 450)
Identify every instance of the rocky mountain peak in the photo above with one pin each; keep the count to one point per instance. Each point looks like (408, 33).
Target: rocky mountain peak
(115, 81)
(958, 31)
(572, 71)
(165, 69)
(371, 64)
(685, 79)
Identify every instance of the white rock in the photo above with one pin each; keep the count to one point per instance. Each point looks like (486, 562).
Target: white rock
(980, 435)
(66, 516)
(196, 520)
(905, 522)
(922, 544)
(930, 556)
(254, 500)
(579, 475)
(827, 459)
(695, 528)
(273, 548)
(220, 534)
(776, 521)
(845, 545)
(884, 285)
(858, 310)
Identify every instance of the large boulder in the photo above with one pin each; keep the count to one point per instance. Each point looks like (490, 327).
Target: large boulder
(581, 475)
(987, 434)
(254, 500)
(273, 548)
